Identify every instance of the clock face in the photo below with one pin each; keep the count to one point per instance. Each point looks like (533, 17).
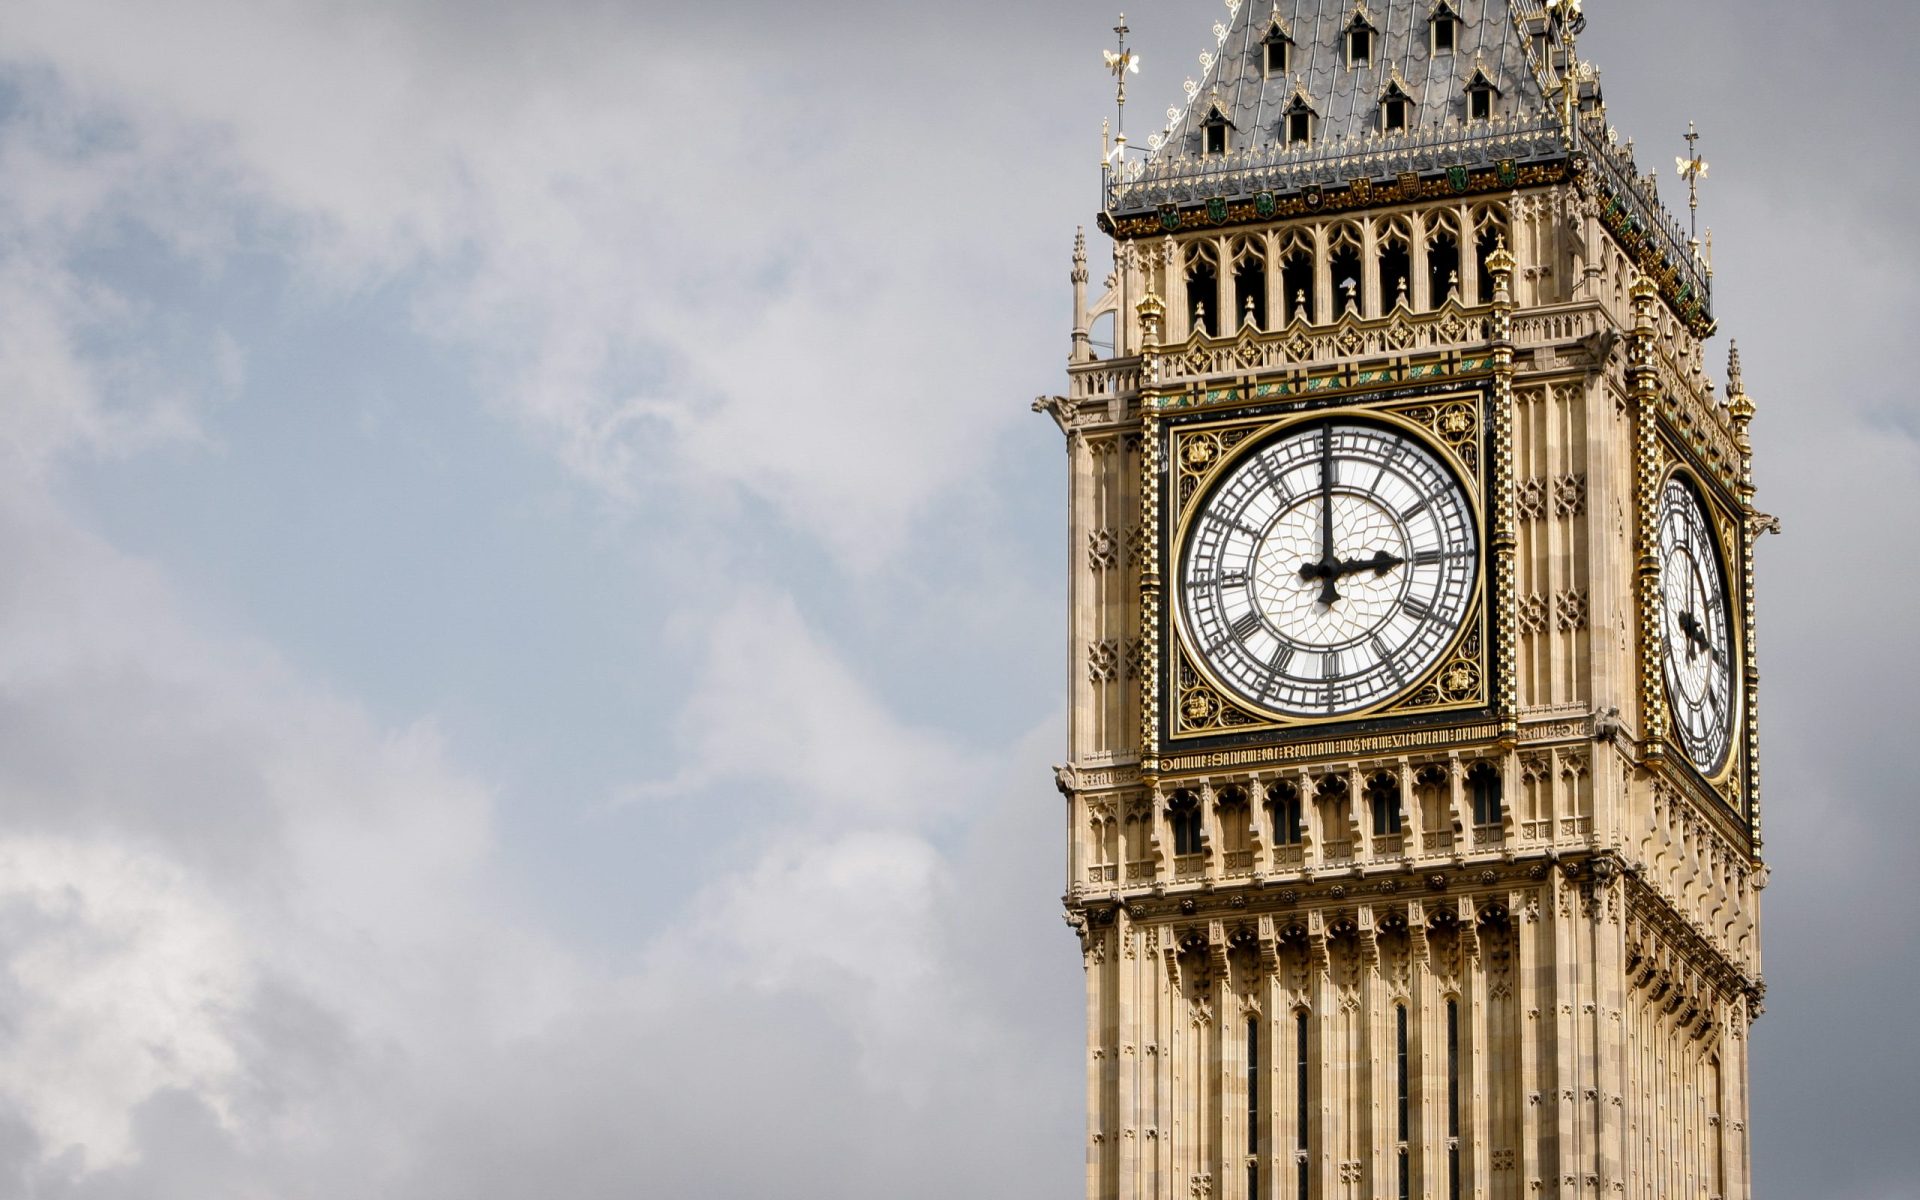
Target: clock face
(1328, 569)
(1696, 627)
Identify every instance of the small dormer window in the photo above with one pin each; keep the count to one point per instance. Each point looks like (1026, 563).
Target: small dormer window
(1279, 52)
(1396, 108)
(1216, 133)
(1446, 30)
(1359, 33)
(1480, 95)
(1297, 120)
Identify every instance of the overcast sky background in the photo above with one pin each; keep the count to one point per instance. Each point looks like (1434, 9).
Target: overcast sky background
(531, 625)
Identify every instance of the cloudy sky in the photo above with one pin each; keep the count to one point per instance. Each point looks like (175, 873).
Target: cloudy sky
(531, 633)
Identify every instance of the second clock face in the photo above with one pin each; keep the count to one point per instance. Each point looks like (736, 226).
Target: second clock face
(1696, 625)
(1328, 569)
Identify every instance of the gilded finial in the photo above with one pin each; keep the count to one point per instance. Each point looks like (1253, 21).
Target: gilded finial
(1693, 169)
(1739, 404)
(1500, 260)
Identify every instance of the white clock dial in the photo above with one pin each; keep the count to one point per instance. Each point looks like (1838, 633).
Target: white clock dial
(1696, 627)
(1328, 569)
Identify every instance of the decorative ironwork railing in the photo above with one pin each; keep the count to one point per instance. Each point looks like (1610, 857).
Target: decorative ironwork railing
(1634, 212)
(1143, 184)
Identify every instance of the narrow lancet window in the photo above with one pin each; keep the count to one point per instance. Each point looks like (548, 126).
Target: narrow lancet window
(1183, 813)
(1483, 782)
(1284, 799)
(1453, 1100)
(1303, 1176)
(1400, 1124)
(1253, 1106)
(1383, 797)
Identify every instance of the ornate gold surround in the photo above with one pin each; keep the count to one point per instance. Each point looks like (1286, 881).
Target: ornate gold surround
(1453, 426)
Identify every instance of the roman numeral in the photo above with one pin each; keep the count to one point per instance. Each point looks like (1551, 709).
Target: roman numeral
(1249, 622)
(1330, 665)
(1418, 607)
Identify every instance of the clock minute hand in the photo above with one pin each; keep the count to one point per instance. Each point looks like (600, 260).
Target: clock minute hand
(1329, 564)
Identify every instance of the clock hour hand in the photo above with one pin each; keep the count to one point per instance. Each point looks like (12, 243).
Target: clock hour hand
(1379, 562)
(1327, 571)
(1697, 636)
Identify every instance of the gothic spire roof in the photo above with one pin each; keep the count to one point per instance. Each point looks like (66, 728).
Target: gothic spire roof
(1492, 43)
(1346, 96)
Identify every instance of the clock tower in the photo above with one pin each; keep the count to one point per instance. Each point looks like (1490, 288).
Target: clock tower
(1412, 791)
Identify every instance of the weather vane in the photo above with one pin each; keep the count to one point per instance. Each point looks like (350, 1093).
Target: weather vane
(1693, 169)
(1120, 62)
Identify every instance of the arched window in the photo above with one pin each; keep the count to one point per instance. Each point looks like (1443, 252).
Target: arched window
(1490, 232)
(1483, 784)
(1343, 257)
(1395, 279)
(1443, 258)
(1297, 277)
(1249, 283)
(1203, 286)
(1383, 800)
(1183, 814)
(1100, 336)
(1283, 800)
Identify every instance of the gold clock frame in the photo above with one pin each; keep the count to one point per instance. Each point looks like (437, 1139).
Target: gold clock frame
(1450, 425)
(1723, 529)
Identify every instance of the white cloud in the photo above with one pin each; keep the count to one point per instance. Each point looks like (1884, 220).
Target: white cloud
(648, 250)
(258, 945)
(773, 708)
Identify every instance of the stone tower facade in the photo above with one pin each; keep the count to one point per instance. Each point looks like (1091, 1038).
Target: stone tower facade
(1413, 788)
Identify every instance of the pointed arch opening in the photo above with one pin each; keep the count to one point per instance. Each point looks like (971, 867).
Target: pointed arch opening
(1394, 283)
(1489, 233)
(1443, 259)
(1297, 277)
(1249, 283)
(1203, 286)
(1348, 268)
